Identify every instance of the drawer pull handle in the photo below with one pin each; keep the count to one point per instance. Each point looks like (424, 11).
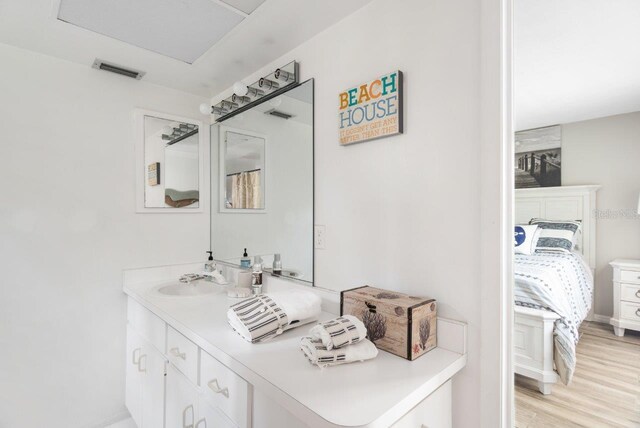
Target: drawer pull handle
(638, 293)
(184, 417)
(135, 360)
(140, 368)
(638, 312)
(215, 387)
(202, 421)
(176, 353)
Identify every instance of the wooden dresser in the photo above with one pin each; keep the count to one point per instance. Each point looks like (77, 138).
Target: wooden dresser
(626, 295)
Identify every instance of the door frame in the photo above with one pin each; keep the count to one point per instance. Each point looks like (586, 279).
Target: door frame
(496, 214)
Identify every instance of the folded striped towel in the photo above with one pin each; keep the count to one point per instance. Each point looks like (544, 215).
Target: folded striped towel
(264, 316)
(339, 332)
(319, 355)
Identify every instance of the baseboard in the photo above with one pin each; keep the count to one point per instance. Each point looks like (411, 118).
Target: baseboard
(125, 423)
(601, 318)
(116, 421)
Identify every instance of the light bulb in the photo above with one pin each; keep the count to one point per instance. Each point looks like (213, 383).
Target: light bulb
(275, 102)
(167, 130)
(240, 88)
(205, 108)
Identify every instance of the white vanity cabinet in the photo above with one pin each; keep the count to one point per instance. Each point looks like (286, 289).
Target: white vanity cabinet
(145, 373)
(181, 400)
(183, 387)
(188, 407)
(133, 391)
(187, 369)
(225, 390)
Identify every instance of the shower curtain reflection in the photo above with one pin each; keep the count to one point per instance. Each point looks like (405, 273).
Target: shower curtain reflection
(244, 188)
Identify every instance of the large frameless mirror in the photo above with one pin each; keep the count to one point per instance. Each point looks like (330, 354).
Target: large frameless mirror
(262, 185)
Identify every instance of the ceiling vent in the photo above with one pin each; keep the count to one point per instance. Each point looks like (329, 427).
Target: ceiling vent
(280, 114)
(113, 68)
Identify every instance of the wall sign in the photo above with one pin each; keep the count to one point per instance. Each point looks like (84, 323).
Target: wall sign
(371, 110)
(153, 174)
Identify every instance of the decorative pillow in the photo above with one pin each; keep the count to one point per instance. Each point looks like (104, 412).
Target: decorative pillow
(556, 235)
(526, 237)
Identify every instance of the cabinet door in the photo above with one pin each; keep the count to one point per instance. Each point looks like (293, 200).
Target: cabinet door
(152, 365)
(133, 388)
(181, 400)
(211, 417)
(268, 414)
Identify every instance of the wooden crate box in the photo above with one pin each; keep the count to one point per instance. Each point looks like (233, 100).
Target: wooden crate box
(397, 323)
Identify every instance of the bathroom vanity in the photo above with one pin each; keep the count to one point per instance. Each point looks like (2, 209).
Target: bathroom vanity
(186, 368)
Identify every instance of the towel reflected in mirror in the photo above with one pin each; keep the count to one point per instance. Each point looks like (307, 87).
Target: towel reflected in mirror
(180, 199)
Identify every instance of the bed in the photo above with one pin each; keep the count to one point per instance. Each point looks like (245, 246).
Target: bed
(533, 337)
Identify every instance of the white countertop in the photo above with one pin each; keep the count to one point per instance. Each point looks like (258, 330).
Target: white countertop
(374, 393)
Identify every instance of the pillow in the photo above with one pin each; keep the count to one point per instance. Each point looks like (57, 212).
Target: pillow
(577, 241)
(556, 235)
(526, 237)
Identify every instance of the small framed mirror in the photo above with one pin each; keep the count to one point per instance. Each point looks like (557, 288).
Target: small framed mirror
(170, 152)
(243, 178)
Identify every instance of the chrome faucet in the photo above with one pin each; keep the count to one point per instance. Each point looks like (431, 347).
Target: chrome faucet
(188, 278)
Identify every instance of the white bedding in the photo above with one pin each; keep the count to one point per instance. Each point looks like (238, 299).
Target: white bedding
(561, 283)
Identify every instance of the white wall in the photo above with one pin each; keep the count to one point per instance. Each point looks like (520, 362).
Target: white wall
(286, 226)
(404, 212)
(67, 229)
(181, 164)
(606, 151)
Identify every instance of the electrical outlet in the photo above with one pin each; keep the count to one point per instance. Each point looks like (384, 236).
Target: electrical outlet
(319, 232)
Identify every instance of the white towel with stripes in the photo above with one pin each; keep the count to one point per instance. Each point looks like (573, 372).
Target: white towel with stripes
(319, 355)
(265, 316)
(339, 332)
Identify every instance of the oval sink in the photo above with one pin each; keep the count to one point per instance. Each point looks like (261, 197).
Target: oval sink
(196, 288)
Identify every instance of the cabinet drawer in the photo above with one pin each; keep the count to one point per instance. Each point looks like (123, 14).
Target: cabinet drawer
(630, 293)
(212, 417)
(225, 389)
(183, 353)
(630, 311)
(146, 324)
(629, 276)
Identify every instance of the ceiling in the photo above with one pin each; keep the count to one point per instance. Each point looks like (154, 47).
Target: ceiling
(174, 28)
(271, 30)
(575, 60)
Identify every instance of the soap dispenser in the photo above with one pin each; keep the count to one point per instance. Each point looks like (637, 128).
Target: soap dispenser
(210, 265)
(245, 261)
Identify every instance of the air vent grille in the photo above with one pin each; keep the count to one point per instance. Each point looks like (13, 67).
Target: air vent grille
(278, 113)
(113, 68)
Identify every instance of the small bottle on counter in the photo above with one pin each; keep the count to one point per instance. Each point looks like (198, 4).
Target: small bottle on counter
(256, 283)
(277, 264)
(245, 261)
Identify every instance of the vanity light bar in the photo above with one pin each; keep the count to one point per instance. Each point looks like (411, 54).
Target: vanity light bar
(268, 84)
(181, 132)
(283, 75)
(240, 99)
(182, 137)
(265, 88)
